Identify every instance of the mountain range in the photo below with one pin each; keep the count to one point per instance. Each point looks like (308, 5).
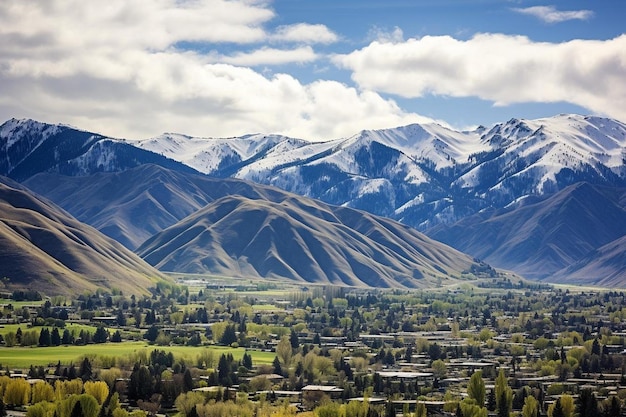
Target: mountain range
(44, 248)
(538, 197)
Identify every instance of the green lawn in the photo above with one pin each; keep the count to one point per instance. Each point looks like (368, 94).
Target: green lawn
(73, 327)
(24, 357)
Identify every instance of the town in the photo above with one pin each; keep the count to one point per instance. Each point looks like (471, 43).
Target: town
(210, 348)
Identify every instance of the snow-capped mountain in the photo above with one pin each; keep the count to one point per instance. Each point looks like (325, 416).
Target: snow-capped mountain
(422, 175)
(28, 147)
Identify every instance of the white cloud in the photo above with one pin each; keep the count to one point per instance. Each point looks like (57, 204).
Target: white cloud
(500, 68)
(550, 14)
(269, 56)
(305, 33)
(382, 35)
(120, 69)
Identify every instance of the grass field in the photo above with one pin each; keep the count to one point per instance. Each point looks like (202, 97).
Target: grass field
(72, 327)
(24, 357)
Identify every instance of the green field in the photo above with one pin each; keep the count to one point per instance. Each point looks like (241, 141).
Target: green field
(24, 357)
(72, 327)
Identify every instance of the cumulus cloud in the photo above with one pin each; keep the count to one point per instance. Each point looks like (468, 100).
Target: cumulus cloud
(500, 68)
(123, 69)
(268, 56)
(382, 35)
(550, 14)
(305, 33)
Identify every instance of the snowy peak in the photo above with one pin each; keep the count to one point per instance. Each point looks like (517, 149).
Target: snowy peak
(28, 147)
(430, 142)
(209, 155)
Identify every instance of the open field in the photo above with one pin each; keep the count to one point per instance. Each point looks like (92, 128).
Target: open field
(24, 357)
(72, 327)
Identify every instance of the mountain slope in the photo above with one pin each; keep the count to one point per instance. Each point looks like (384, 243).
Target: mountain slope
(422, 175)
(605, 266)
(28, 147)
(302, 240)
(539, 238)
(132, 205)
(43, 248)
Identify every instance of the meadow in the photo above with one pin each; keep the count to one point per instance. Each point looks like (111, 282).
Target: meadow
(23, 357)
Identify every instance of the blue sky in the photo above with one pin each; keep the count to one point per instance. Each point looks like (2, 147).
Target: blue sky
(311, 69)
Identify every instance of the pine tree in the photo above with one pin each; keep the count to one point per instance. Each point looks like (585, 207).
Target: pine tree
(476, 388)
(44, 337)
(293, 339)
(246, 361)
(277, 368)
(55, 337)
(504, 395)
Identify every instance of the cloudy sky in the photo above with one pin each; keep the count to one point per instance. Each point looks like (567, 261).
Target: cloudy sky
(313, 69)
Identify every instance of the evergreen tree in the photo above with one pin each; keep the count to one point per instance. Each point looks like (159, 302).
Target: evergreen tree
(55, 337)
(277, 368)
(224, 371)
(476, 388)
(101, 335)
(77, 411)
(587, 404)
(85, 370)
(44, 337)
(67, 338)
(558, 409)
(117, 337)
(187, 381)
(229, 336)
(246, 361)
(140, 385)
(504, 395)
(293, 339)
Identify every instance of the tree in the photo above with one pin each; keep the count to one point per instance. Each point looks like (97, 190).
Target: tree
(469, 409)
(229, 336)
(42, 391)
(566, 404)
(293, 339)
(97, 389)
(187, 380)
(557, 409)
(504, 395)
(40, 409)
(116, 337)
(55, 337)
(530, 407)
(140, 385)
(151, 334)
(283, 351)
(434, 351)
(101, 335)
(10, 339)
(85, 372)
(224, 370)
(44, 337)
(17, 392)
(277, 368)
(88, 405)
(246, 361)
(612, 407)
(476, 388)
(186, 402)
(420, 410)
(439, 368)
(587, 404)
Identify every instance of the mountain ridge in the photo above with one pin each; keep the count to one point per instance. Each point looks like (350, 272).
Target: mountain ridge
(425, 176)
(303, 240)
(44, 248)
